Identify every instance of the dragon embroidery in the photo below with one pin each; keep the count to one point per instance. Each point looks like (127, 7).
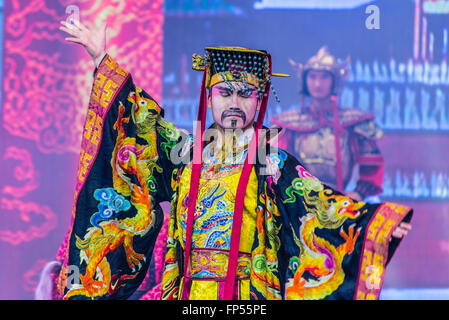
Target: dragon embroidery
(264, 256)
(109, 231)
(319, 257)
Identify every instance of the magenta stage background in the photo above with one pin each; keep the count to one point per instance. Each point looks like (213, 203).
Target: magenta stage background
(46, 83)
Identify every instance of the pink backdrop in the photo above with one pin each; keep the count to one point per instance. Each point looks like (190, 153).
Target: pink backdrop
(46, 86)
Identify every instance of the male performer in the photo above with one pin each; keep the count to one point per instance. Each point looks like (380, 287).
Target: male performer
(329, 140)
(242, 225)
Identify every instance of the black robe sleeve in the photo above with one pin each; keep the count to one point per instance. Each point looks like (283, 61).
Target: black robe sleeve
(337, 248)
(124, 173)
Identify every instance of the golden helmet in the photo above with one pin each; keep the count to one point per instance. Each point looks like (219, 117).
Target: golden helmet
(323, 60)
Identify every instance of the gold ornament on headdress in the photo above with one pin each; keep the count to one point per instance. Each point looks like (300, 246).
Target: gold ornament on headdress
(201, 63)
(198, 62)
(323, 60)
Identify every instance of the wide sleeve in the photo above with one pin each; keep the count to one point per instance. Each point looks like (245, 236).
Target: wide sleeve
(337, 248)
(124, 173)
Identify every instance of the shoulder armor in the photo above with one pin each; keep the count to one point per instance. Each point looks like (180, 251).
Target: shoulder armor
(295, 120)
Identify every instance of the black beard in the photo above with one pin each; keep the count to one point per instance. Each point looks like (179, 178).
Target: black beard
(233, 112)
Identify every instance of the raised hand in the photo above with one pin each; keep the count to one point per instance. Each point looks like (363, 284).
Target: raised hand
(93, 40)
(402, 230)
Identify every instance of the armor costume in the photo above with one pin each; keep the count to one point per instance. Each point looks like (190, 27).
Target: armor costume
(330, 142)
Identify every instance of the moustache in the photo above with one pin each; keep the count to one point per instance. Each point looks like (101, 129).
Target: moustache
(233, 112)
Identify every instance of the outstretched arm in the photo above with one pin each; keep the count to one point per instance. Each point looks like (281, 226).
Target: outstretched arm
(125, 155)
(337, 240)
